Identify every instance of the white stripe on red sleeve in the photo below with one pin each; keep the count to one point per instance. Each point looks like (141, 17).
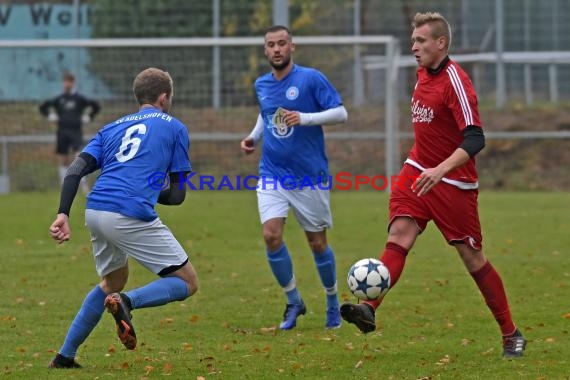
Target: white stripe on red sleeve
(461, 94)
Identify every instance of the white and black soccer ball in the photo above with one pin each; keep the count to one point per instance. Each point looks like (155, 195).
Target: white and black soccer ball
(368, 279)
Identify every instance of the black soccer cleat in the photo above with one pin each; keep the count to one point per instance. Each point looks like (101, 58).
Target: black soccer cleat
(362, 315)
(514, 345)
(119, 309)
(61, 361)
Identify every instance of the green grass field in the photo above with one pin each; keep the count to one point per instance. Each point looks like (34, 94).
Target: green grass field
(433, 324)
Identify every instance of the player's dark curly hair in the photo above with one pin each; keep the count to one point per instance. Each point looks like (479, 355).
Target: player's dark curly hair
(149, 84)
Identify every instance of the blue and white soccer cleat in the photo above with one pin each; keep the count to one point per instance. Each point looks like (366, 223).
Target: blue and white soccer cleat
(334, 321)
(290, 315)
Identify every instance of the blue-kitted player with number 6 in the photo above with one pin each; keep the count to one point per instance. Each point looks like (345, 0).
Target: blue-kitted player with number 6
(120, 213)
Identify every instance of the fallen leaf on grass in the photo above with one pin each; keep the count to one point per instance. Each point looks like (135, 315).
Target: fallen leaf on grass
(443, 361)
(268, 329)
(194, 319)
(167, 368)
(567, 315)
(359, 364)
(125, 365)
(148, 369)
(550, 340)
(186, 346)
(111, 348)
(465, 341)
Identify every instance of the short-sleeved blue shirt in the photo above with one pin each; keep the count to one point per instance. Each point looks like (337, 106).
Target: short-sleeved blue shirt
(297, 152)
(130, 151)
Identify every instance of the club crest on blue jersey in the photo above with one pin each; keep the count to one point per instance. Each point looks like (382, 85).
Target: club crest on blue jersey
(281, 131)
(292, 93)
(278, 126)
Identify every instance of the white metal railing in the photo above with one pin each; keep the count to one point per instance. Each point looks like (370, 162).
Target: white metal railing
(235, 136)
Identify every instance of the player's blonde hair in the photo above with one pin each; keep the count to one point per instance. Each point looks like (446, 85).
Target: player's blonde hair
(439, 25)
(149, 84)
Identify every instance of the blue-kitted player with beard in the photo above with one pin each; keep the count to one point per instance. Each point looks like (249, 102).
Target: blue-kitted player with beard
(294, 103)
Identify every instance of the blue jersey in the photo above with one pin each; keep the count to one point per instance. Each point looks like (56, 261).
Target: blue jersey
(130, 152)
(297, 152)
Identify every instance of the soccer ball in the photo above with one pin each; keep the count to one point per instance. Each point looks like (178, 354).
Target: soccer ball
(368, 279)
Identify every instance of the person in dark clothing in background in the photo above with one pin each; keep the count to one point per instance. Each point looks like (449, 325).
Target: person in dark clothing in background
(70, 111)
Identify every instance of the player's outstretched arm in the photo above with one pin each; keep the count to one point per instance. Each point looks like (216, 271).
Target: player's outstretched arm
(248, 144)
(176, 192)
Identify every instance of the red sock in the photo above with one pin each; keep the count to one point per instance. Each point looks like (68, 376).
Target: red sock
(492, 289)
(394, 257)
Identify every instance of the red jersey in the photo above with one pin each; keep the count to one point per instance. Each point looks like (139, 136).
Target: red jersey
(443, 105)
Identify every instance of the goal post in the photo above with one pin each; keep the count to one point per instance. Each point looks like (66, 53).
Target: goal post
(208, 89)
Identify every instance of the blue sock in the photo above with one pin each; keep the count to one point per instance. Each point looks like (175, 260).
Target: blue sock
(282, 267)
(326, 267)
(85, 321)
(158, 292)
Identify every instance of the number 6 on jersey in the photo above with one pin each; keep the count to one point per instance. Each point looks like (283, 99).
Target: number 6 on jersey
(129, 143)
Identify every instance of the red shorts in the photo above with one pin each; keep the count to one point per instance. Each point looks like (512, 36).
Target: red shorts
(454, 211)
